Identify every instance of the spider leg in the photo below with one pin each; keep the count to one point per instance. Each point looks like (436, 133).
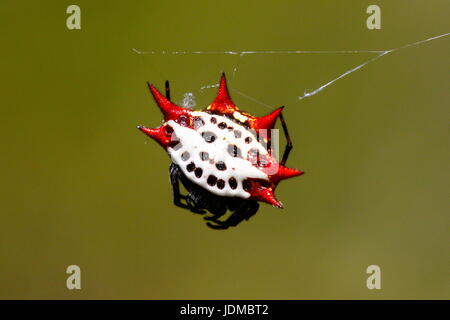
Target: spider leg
(192, 201)
(219, 208)
(244, 212)
(167, 90)
(216, 214)
(174, 172)
(289, 145)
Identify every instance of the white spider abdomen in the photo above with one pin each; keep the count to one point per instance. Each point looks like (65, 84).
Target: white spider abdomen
(214, 154)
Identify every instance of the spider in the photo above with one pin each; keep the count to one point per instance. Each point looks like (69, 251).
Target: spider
(221, 156)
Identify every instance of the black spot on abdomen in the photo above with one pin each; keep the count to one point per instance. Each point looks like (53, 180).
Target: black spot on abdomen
(185, 156)
(209, 136)
(246, 185)
(198, 122)
(234, 151)
(211, 180)
(233, 183)
(198, 172)
(204, 156)
(190, 167)
(221, 166)
(222, 125)
(220, 184)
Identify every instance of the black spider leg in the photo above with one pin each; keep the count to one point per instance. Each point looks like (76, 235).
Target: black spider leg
(244, 212)
(167, 90)
(218, 210)
(177, 175)
(194, 201)
(289, 145)
(174, 172)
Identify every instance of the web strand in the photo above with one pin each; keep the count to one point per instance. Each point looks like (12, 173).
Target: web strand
(307, 93)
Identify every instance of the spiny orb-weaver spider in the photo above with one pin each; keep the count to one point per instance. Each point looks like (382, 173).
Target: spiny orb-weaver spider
(222, 156)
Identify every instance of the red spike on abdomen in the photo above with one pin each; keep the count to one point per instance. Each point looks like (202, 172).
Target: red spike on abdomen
(222, 103)
(284, 173)
(170, 110)
(265, 122)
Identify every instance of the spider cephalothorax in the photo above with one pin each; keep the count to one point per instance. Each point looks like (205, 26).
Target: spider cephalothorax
(222, 156)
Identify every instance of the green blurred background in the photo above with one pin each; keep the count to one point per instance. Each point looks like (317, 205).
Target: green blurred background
(80, 185)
